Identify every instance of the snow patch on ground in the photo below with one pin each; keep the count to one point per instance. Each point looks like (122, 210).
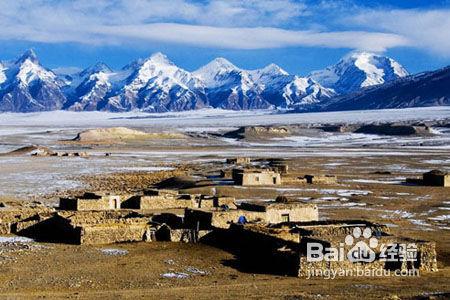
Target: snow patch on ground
(15, 239)
(114, 252)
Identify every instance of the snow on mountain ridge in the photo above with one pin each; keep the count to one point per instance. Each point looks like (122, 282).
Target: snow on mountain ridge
(156, 84)
(27, 86)
(358, 70)
(3, 69)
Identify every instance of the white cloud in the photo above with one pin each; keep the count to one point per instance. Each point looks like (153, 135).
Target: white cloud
(252, 38)
(237, 24)
(424, 29)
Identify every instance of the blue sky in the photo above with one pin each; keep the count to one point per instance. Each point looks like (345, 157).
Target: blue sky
(300, 36)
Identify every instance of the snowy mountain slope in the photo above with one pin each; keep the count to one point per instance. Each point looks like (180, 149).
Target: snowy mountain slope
(3, 69)
(229, 87)
(156, 84)
(426, 89)
(360, 80)
(88, 88)
(289, 91)
(232, 88)
(358, 70)
(27, 86)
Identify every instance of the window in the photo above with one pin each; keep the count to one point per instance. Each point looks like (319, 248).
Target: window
(285, 218)
(257, 178)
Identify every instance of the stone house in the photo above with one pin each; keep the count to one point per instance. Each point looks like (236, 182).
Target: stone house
(284, 246)
(256, 177)
(318, 179)
(265, 212)
(205, 201)
(180, 201)
(238, 161)
(160, 202)
(279, 212)
(91, 201)
(436, 178)
(218, 218)
(160, 192)
(16, 220)
(100, 227)
(279, 165)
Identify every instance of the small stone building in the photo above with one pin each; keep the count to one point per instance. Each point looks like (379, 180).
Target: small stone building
(100, 227)
(256, 177)
(436, 178)
(205, 201)
(91, 201)
(320, 179)
(160, 192)
(171, 201)
(158, 202)
(271, 212)
(284, 247)
(279, 165)
(15, 220)
(219, 218)
(238, 161)
(280, 212)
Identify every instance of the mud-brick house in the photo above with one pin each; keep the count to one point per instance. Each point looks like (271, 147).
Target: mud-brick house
(320, 179)
(158, 202)
(161, 192)
(91, 201)
(97, 227)
(436, 178)
(279, 165)
(255, 177)
(280, 211)
(205, 201)
(238, 161)
(271, 212)
(285, 247)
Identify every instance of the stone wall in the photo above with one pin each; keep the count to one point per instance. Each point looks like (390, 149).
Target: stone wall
(238, 160)
(208, 219)
(16, 219)
(317, 179)
(115, 232)
(216, 201)
(87, 204)
(295, 213)
(426, 258)
(257, 178)
(164, 202)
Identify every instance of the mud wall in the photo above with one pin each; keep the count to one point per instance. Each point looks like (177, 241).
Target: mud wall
(114, 233)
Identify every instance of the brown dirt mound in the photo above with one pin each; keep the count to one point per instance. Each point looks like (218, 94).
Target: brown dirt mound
(258, 132)
(26, 150)
(115, 134)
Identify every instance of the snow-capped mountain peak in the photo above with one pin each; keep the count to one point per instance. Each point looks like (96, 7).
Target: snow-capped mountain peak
(99, 67)
(221, 63)
(358, 70)
(268, 73)
(28, 55)
(28, 86)
(159, 57)
(28, 69)
(159, 68)
(273, 69)
(215, 71)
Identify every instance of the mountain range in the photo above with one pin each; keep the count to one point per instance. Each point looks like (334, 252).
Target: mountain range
(360, 80)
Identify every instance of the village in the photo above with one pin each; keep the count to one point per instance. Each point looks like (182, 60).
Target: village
(277, 231)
